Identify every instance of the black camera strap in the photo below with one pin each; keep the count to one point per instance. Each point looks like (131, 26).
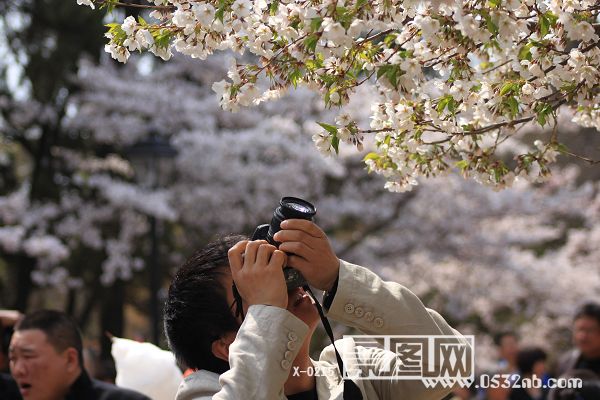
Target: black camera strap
(351, 390)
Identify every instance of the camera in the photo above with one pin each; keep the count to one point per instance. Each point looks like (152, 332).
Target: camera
(289, 208)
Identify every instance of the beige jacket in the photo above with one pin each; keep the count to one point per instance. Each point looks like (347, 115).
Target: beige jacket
(270, 337)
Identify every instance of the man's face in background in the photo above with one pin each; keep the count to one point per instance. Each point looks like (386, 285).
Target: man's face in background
(586, 336)
(41, 372)
(508, 348)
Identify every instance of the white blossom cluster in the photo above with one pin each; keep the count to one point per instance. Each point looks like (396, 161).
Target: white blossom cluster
(456, 79)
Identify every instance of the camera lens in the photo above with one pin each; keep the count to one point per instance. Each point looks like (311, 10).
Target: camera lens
(293, 207)
(289, 208)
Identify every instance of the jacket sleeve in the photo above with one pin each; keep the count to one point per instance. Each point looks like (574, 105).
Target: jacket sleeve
(364, 301)
(260, 357)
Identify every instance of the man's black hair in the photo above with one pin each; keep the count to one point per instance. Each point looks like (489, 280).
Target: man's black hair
(527, 358)
(589, 310)
(196, 311)
(61, 330)
(501, 335)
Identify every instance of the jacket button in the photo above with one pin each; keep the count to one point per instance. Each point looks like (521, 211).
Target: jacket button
(292, 336)
(288, 355)
(349, 308)
(369, 316)
(359, 312)
(285, 364)
(378, 322)
(291, 345)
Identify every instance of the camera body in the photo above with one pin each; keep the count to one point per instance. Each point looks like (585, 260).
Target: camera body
(289, 208)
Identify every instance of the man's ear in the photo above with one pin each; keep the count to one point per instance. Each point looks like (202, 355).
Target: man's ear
(220, 347)
(72, 356)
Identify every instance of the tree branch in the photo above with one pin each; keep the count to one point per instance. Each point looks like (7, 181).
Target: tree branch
(121, 4)
(379, 225)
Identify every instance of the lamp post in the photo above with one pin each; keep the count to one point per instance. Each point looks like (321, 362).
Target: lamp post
(152, 161)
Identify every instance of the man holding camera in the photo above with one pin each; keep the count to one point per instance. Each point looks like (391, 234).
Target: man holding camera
(265, 353)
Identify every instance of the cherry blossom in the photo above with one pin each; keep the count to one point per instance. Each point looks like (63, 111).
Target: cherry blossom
(454, 80)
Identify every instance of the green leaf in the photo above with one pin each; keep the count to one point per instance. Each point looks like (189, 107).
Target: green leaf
(544, 25)
(273, 7)
(560, 147)
(142, 21)
(491, 25)
(525, 52)
(335, 143)
(311, 42)
(442, 104)
(220, 13)
(513, 105)
(463, 164)
(452, 105)
(329, 128)
(295, 77)
(498, 174)
(109, 5)
(447, 102)
(383, 70)
(543, 110)
(315, 24)
(507, 88)
(391, 72)
(163, 38)
(118, 34)
(546, 21)
(371, 156)
(389, 39)
(541, 119)
(392, 76)
(360, 4)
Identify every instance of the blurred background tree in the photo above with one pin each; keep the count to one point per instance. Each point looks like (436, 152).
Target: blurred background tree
(44, 42)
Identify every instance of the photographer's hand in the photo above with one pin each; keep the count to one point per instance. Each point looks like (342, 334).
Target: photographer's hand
(9, 317)
(310, 252)
(257, 270)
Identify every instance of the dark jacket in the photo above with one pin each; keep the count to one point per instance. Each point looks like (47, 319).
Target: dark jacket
(8, 388)
(573, 360)
(85, 388)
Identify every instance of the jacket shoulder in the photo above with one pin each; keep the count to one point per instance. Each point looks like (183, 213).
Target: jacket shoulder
(567, 361)
(107, 391)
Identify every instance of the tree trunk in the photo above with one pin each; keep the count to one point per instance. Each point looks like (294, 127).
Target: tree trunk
(111, 315)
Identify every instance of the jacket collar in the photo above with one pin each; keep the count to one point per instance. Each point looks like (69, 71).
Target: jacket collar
(200, 383)
(81, 388)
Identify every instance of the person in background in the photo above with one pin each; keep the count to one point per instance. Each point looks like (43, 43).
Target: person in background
(8, 319)
(8, 387)
(45, 357)
(532, 365)
(586, 338)
(507, 344)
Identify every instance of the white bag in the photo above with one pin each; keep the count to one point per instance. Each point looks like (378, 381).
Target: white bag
(146, 368)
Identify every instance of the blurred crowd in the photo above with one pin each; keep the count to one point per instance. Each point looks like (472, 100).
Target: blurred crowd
(518, 367)
(47, 356)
